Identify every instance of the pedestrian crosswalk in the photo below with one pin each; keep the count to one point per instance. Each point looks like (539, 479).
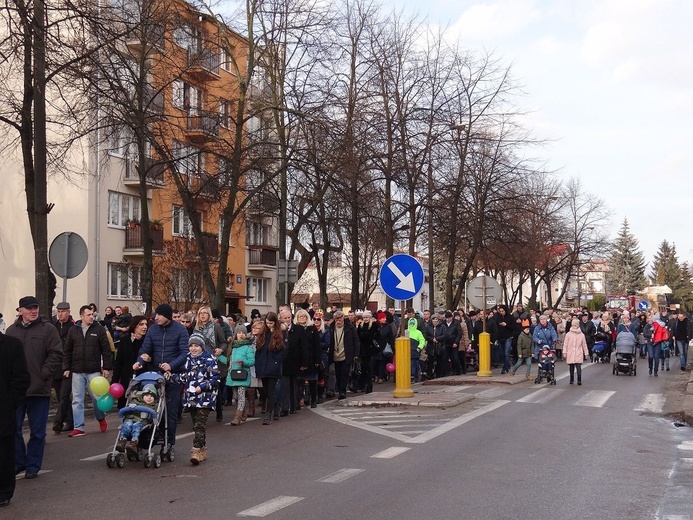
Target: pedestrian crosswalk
(412, 425)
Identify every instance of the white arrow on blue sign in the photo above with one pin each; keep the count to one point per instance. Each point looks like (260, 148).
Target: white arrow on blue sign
(643, 305)
(401, 277)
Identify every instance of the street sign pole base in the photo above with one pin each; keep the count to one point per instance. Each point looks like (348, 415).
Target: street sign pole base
(484, 355)
(403, 368)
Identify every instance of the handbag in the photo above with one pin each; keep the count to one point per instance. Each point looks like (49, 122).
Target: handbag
(238, 374)
(388, 350)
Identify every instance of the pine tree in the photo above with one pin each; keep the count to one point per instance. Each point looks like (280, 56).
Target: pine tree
(684, 292)
(626, 265)
(665, 267)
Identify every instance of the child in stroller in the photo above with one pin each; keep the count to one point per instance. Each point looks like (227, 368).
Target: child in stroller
(546, 366)
(144, 423)
(599, 352)
(135, 418)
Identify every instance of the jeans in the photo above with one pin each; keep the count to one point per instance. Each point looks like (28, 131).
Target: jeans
(30, 456)
(80, 384)
(683, 352)
(130, 430)
(520, 360)
(653, 352)
(506, 345)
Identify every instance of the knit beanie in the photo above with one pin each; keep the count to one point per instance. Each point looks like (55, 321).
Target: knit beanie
(165, 310)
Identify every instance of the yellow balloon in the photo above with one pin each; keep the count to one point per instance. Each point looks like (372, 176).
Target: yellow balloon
(99, 385)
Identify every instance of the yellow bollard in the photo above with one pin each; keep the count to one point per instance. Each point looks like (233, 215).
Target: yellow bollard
(403, 368)
(484, 355)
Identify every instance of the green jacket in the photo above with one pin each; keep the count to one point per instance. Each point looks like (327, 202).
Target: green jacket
(525, 345)
(415, 333)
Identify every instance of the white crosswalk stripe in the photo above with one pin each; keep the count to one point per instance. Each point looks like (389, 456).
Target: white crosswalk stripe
(341, 475)
(271, 506)
(541, 396)
(595, 398)
(652, 403)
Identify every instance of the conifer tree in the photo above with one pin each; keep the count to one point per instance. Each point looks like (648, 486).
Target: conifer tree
(626, 265)
(665, 267)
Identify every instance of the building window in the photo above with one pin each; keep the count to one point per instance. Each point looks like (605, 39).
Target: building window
(181, 225)
(125, 281)
(225, 113)
(119, 142)
(189, 159)
(122, 208)
(257, 289)
(259, 234)
(186, 285)
(187, 97)
(188, 37)
(225, 58)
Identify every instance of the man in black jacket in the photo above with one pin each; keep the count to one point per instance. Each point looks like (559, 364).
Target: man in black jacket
(14, 382)
(452, 336)
(87, 355)
(295, 360)
(63, 387)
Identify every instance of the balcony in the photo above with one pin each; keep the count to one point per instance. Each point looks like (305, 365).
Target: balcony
(153, 101)
(205, 186)
(147, 39)
(260, 257)
(154, 173)
(134, 243)
(202, 126)
(210, 243)
(203, 64)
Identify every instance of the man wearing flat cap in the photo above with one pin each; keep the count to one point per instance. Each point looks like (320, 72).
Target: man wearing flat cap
(44, 355)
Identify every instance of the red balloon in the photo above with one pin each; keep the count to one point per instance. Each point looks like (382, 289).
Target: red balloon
(390, 368)
(117, 390)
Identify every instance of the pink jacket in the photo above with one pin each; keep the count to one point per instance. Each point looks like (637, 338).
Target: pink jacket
(575, 347)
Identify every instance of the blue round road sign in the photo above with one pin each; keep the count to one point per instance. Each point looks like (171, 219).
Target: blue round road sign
(401, 277)
(643, 305)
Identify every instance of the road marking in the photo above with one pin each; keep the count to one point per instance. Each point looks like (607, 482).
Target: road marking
(340, 476)
(595, 398)
(390, 452)
(492, 393)
(104, 455)
(368, 427)
(584, 366)
(686, 445)
(444, 428)
(350, 413)
(413, 432)
(392, 421)
(652, 403)
(541, 396)
(271, 506)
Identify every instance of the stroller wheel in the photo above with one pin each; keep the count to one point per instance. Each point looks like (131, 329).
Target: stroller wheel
(110, 460)
(131, 457)
(148, 461)
(120, 460)
(157, 461)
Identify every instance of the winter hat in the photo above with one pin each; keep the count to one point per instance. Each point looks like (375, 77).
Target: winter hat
(165, 310)
(197, 339)
(545, 347)
(367, 314)
(254, 314)
(575, 325)
(382, 316)
(27, 302)
(448, 314)
(241, 328)
(149, 389)
(525, 324)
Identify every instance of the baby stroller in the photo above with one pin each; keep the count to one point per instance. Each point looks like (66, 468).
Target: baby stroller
(472, 362)
(626, 358)
(599, 352)
(546, 367)
(152, 434)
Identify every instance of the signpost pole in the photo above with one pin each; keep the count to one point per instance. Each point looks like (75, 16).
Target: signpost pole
(484, 339)
(67, 258)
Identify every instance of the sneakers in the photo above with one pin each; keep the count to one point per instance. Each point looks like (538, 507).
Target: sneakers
(120, 446)
(76, 433)
(103, 425)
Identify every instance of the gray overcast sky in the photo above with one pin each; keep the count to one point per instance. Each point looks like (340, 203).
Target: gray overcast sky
(610, 82)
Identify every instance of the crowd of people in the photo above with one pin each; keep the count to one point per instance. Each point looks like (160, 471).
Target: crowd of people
(276, 363)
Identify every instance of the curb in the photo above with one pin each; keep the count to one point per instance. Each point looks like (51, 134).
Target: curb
(432, 400)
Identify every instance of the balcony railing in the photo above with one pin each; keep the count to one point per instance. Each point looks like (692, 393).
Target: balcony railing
(135, 241)
(154, 172)
(202, 125)
(203, 61)
(262, 256)
(153, 100)
(209, 242)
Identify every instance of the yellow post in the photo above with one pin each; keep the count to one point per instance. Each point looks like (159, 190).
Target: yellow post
(403, 368)
(484, 355)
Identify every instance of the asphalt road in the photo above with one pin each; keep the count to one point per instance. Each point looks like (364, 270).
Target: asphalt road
(602, 450)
